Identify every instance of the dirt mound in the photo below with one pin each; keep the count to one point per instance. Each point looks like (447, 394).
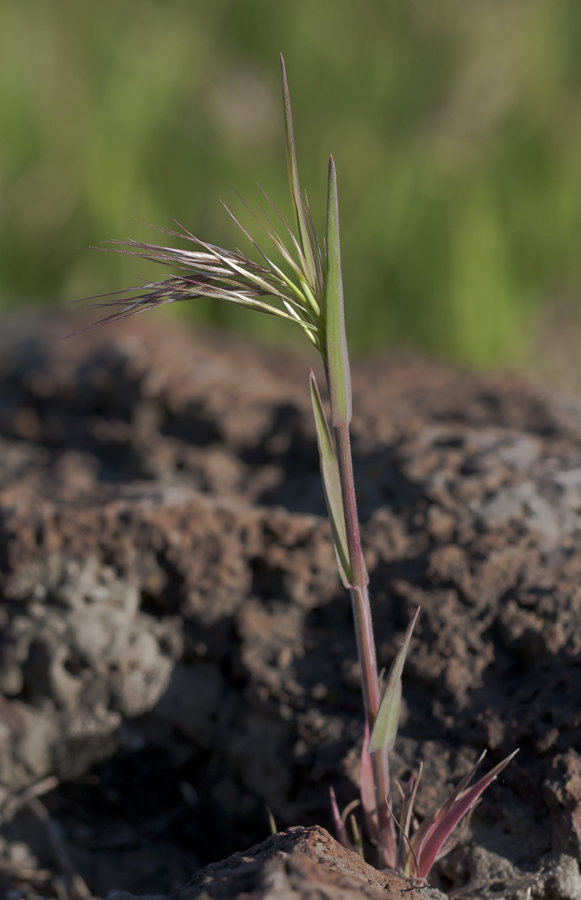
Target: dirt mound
(176, 646)
(299, 863)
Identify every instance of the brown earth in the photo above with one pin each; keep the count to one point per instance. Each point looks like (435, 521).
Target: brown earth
(302, 862)
(176, 646)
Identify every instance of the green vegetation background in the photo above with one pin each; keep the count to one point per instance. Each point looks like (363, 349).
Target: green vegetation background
(455, 125)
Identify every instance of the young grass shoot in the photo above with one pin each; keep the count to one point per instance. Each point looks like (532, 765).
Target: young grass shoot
(303, 284)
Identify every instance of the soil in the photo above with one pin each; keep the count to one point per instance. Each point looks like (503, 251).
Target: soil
(177, 649)
(302, 862)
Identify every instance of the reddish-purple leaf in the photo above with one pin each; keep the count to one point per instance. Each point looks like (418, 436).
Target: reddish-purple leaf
(338, 822)
(442, 830)
(419, 837)
(407, 809)
(368, 788)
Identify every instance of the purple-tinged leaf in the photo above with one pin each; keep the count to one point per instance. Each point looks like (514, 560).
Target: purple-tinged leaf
(368, 788)
(428, 823)
(407, 808)
(337, 355)
(340, 830)
(385, 728)
(444, 827)
(331, 484)
(457, 835)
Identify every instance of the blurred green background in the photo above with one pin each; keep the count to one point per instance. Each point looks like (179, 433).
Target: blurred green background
(455, 125)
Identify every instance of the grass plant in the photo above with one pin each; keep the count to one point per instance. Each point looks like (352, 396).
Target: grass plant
(304, 286)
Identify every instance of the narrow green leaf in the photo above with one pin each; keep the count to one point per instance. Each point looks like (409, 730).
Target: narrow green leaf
(331, 484)
(271, 821)
(385, 727)
(357, 837)
(293, 178)
(337, 355)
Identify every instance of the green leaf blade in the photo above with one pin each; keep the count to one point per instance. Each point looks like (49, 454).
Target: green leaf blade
(385, 728)
(293, 178)
(331, 484)
(337, 354)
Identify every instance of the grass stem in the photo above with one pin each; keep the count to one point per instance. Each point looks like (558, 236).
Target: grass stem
(365, 643)
(359, 593)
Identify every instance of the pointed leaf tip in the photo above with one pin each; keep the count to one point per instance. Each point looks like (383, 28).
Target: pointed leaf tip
(337, 354)
(385, 728)
(340, 830)
(442, 827)
(293, 179)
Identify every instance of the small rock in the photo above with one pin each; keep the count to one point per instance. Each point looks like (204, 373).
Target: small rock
(564, 882)
(562, 791)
